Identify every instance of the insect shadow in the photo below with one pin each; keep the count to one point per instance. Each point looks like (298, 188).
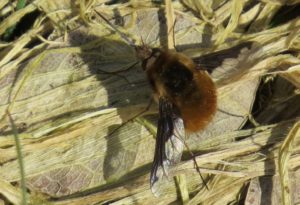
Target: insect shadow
(124, 89)
(127, 91)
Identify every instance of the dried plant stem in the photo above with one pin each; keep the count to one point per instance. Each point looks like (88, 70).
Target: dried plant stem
(283, 159)
(20, 158)
(170, 24)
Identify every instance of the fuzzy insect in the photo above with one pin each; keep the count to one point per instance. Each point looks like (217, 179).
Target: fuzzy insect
(187, 102)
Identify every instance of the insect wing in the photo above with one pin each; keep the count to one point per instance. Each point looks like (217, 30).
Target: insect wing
(169, 145)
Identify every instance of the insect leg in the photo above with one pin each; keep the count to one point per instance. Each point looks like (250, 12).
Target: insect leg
(195, 162)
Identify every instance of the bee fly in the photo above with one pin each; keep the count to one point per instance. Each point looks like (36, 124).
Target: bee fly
(187, 102)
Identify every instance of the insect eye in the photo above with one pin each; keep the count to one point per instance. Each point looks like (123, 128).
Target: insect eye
(155, 52)
(151, 58)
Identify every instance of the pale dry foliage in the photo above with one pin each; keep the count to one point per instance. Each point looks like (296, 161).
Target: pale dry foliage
(70, 82)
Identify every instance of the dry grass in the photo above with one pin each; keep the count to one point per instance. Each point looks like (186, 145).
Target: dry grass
(70, 82)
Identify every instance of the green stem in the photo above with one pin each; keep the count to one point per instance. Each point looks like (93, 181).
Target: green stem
(20, 158)
(9, 31)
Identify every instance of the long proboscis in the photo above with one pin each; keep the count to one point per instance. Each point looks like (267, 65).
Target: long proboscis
(123, 35)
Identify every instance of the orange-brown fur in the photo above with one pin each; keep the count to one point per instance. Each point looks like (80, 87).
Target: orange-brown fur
(197, 107)
(198, 110)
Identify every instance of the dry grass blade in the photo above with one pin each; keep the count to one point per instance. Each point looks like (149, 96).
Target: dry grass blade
(285, 152)
(182, 186)
(73, 86)
(170, 24)
(10, 192)
(236, 10)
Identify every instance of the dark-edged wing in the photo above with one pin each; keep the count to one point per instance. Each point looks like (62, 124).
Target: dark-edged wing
(169, 144)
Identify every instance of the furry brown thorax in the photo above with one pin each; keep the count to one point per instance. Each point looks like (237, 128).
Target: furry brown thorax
(174, 76)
